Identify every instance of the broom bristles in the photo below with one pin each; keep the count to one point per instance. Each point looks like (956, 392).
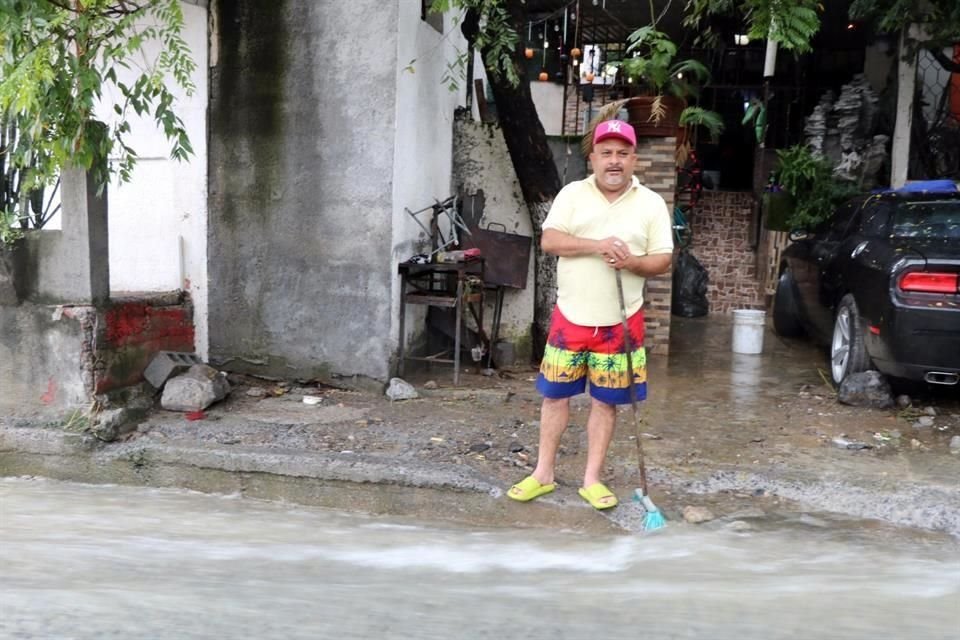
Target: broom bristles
(608, 111)
(653, 520)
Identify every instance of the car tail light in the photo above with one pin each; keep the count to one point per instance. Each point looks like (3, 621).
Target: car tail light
(930, 282)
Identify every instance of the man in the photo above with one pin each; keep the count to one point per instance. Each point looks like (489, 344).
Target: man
(604, 223)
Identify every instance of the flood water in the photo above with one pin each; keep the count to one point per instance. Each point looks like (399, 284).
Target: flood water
(81, 561)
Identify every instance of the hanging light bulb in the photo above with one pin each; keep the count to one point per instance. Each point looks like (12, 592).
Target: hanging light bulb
(556, 27)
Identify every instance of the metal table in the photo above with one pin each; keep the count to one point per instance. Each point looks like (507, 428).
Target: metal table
(452, 285)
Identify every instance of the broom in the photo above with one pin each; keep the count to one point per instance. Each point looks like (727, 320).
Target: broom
(653, 519)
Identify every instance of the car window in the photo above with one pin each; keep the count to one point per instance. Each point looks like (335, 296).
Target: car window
(875, 219)
(933, 219)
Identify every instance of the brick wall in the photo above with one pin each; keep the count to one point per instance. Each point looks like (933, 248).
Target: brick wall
(721, 241)
(656, 170)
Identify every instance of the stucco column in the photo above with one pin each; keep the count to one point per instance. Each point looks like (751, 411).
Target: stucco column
(906, 86)
(83, 259)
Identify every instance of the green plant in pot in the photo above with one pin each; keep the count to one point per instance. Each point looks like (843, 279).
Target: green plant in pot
(804, 192)
(669, 83)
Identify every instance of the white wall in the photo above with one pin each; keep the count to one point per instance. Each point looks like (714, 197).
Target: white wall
(163, 209)
(548, 98)
(423, 135)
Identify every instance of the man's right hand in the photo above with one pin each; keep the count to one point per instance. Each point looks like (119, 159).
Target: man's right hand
(613, 249)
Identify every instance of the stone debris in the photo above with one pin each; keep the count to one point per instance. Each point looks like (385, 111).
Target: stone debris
(430, 385)
(400, 389)
(110, 424)
(904, 401)
(955, 444)
(195, 390)
(312, 400)
(256, 392)
(923, 422)
(841, 129)
(866, 389)
(167, 364)
(697, 515)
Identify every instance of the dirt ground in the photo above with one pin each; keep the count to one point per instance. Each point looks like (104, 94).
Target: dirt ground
(708, 411)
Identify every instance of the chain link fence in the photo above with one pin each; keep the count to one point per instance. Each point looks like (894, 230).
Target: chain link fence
(935, 139)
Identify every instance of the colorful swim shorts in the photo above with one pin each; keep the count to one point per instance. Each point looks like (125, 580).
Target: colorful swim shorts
(575, 354)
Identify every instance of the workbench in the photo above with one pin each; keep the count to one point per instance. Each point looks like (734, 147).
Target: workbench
(456, 285)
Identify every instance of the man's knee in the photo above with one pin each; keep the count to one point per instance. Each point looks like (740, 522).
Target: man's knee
(603, 407)
(555, 403)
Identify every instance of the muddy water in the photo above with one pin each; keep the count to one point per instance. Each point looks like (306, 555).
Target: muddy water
(99, 562)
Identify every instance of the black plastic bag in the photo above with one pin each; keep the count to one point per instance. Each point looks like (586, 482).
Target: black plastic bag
(690, 278)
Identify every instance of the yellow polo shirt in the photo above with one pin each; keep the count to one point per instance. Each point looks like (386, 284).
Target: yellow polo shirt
(586, 285)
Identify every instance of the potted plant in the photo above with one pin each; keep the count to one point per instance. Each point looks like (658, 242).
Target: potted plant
(668, 84)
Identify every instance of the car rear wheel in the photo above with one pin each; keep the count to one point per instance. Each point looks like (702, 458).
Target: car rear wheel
(786, 317)
(847, 351)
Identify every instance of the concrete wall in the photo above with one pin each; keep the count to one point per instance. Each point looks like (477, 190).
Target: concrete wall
(548, 98)
(58, 357)
(158, 221)
(42, 362)
(481, 161)
(70, 265)
(424, 114)
(302, 121)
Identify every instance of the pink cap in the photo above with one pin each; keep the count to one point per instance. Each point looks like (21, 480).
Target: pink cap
(615, 129)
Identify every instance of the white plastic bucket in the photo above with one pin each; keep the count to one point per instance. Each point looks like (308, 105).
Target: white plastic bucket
(748, 327)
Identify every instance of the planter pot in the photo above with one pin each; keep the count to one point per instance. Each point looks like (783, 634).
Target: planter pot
(777, 207)
(12, 266)
(639, 112)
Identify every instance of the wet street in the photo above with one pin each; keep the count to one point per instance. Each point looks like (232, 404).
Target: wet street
(82, 561)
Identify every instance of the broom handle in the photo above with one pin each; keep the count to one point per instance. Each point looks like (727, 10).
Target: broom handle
(628, 347)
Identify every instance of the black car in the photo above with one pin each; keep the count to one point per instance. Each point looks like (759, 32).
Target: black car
(880, 283)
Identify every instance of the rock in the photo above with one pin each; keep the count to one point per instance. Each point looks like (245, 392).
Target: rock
(904, 401)
(516, 447)
(479, 447)
(697, 515)
(110, 424)
(488, 372)
(195, 390)
(923, 422)
(256, 392)
(400, 389)
(866, 389)
(430, 384)
(930, 411)
(312, 400)
(955, 444)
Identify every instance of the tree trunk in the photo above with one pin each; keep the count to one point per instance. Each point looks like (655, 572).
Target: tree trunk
(532, 160)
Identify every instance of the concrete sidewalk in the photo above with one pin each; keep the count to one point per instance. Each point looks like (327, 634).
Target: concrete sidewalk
(749, 437)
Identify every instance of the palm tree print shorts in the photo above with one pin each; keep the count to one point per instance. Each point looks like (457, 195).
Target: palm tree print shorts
(575, 354)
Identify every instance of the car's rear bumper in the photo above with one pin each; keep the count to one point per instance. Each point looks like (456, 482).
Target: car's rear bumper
(918, 344)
